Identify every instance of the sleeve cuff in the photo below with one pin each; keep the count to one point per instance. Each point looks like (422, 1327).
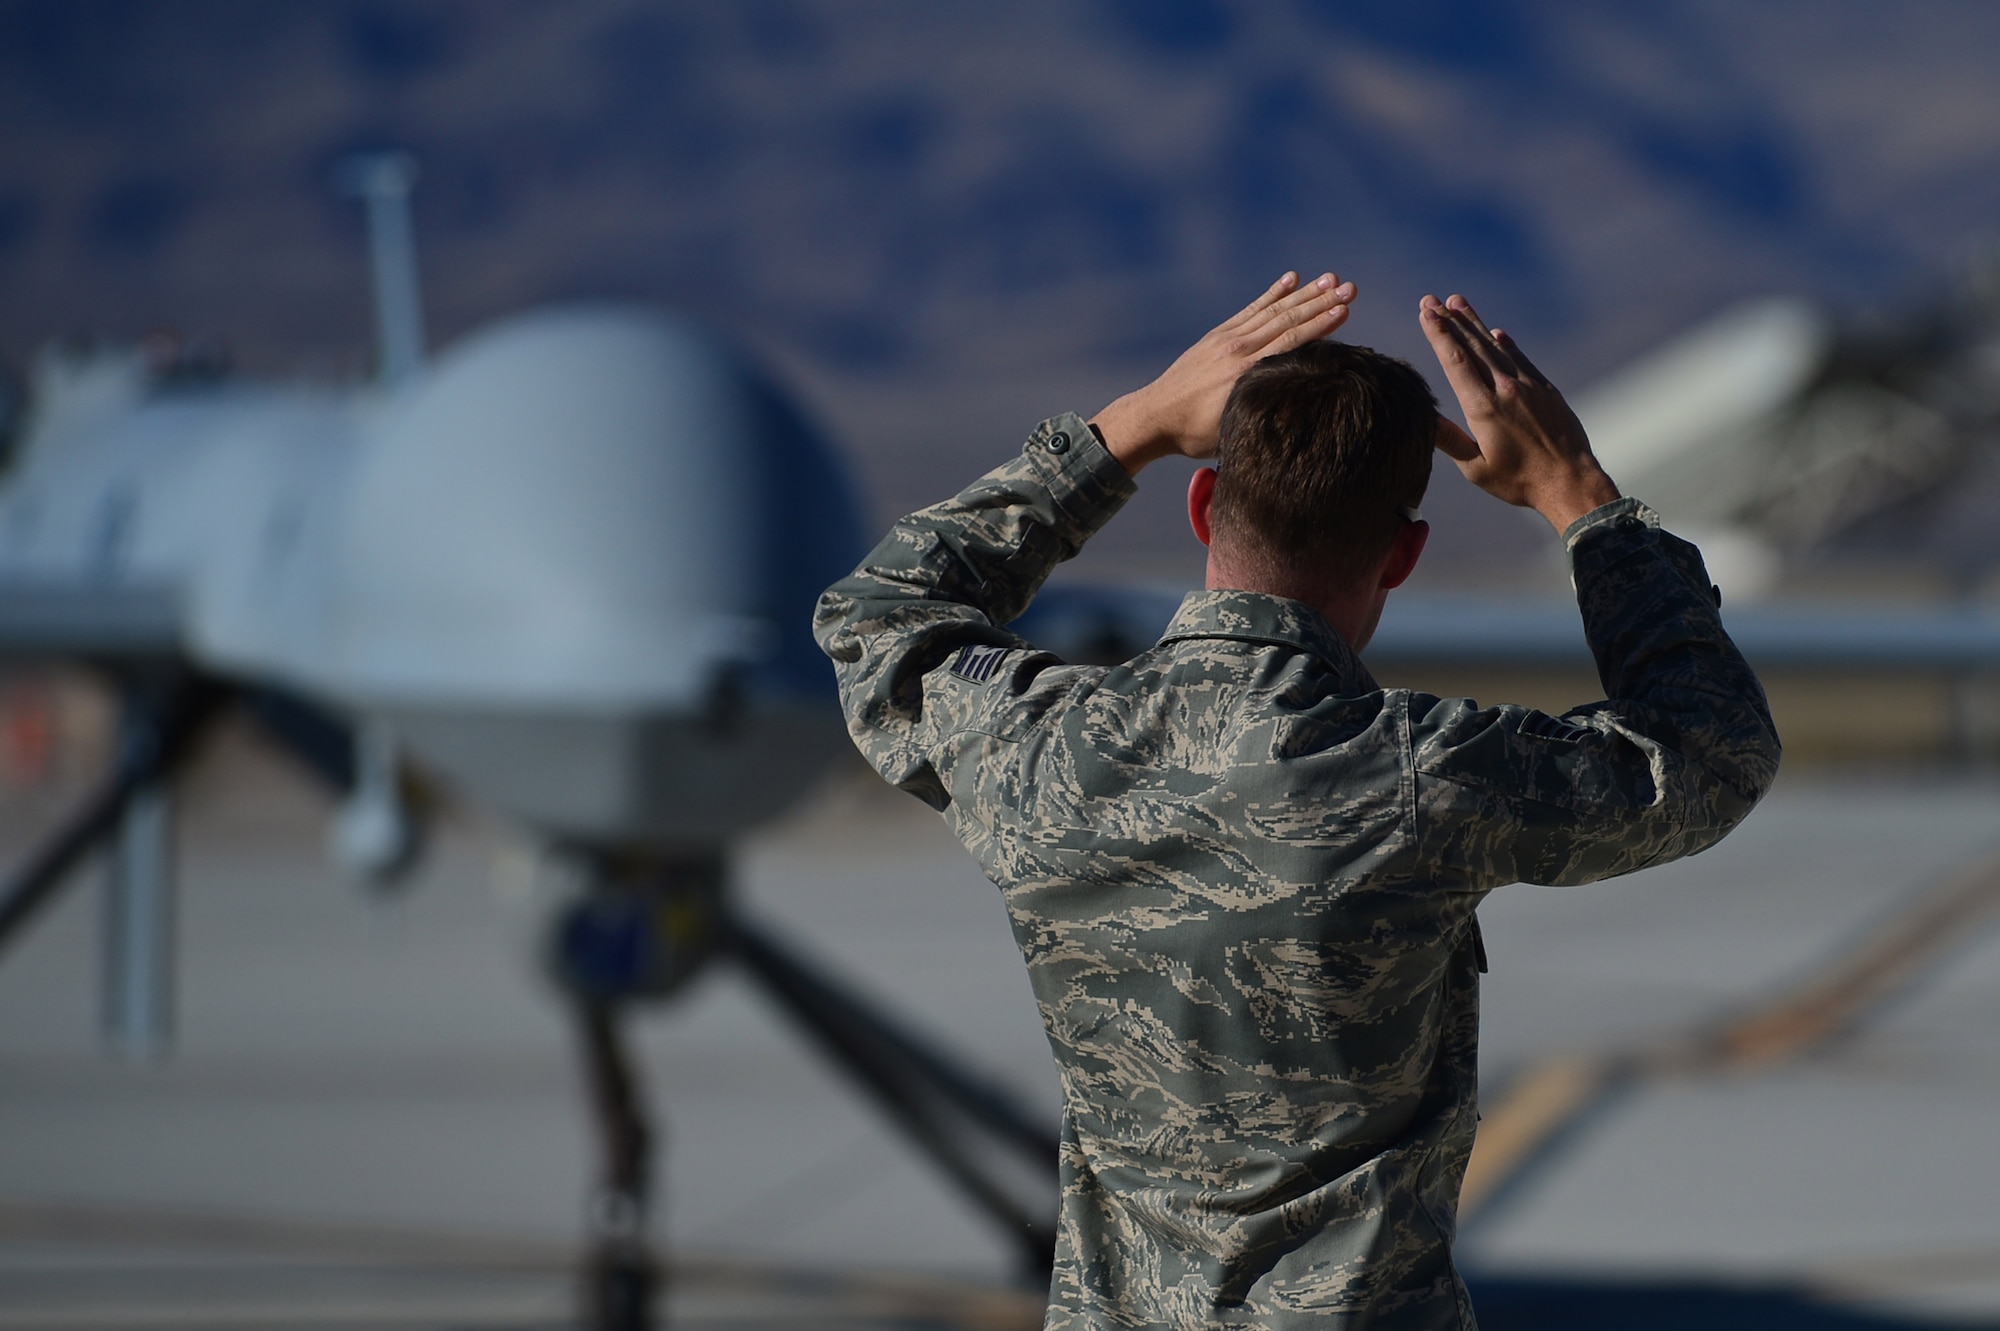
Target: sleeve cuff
(1085, 481)
(1607, 515)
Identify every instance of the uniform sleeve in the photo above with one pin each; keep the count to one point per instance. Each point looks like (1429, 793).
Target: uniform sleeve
(917, 633)
(1677, 755)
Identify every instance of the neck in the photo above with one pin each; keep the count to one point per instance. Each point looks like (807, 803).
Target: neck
(1352, 609)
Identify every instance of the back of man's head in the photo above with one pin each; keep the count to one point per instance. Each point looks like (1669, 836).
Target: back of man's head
(1322, 448)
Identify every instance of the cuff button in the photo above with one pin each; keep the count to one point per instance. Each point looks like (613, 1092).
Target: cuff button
(1058, 442)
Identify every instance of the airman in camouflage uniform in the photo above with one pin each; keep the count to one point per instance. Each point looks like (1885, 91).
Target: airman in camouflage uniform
(1243, 874)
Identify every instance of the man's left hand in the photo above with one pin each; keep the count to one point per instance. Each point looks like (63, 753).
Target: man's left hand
(1181, 411)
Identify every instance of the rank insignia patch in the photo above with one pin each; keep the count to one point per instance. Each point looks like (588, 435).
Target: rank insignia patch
(977, 663)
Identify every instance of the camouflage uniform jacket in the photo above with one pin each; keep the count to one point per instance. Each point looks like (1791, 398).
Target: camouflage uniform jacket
(1243, 876)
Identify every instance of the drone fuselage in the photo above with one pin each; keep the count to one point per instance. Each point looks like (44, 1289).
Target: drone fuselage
(570, 563)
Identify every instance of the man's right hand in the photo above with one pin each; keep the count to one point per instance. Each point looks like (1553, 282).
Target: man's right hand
(1526, 446)
(1180, 411)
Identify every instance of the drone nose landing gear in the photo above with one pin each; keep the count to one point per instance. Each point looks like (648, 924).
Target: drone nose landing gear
(621, 1277)
(642, 930)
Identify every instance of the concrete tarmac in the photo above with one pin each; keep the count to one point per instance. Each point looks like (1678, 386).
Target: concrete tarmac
(371, 1098)
(1866, 1167)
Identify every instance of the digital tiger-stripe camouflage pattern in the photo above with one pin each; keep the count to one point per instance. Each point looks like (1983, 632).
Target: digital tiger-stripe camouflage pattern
(1243, 876)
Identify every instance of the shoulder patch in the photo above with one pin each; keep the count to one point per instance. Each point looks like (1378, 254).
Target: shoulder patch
(1540, 725)
(977, 663)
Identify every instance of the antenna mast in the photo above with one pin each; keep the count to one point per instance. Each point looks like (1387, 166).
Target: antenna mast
(383, 182)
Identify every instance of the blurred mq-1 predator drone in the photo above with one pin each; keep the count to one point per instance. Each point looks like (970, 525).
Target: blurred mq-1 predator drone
(566, 572)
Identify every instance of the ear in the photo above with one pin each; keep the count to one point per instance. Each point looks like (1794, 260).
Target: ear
(1404, 552)
(1201, 492)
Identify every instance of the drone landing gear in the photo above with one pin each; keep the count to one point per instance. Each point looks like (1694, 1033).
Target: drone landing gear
(129, 810)
(621, 1277)
(951, 1114)
(641, 932)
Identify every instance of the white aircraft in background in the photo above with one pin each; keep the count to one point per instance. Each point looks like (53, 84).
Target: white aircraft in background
(1758, 435)
(1772, 427)
(566, 570)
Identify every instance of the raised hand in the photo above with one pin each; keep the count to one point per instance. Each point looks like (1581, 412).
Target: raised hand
(1526, 446)
(1181, 411)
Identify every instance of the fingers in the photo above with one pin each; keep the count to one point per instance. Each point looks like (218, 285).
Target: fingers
(1271, 296)
(1496, 346)
(1454, 442)
(1287, 293)
(1480, 337)
(1471, 378)
(1312, 330)
(1520, 358)
(1291, 319)
(1492, 345)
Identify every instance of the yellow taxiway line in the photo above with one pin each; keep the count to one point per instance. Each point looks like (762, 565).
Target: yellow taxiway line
(1551, 1095)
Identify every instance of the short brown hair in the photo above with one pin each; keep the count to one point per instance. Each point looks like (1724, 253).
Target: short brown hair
(1321, 449)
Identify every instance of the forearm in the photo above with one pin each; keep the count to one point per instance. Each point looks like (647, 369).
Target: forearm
(1674, 757)
(952, 576)
(1654, 625)
(990, 547)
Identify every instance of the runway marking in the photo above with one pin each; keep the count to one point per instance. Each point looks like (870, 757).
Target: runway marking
(1834, 1001)
(289, 1314)
(400, 1279)
(1547, 1096)
(1889, 1273)
(1830, 1001)
(82, 1223)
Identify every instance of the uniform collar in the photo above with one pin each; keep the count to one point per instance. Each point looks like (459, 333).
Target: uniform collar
(1257, 617)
